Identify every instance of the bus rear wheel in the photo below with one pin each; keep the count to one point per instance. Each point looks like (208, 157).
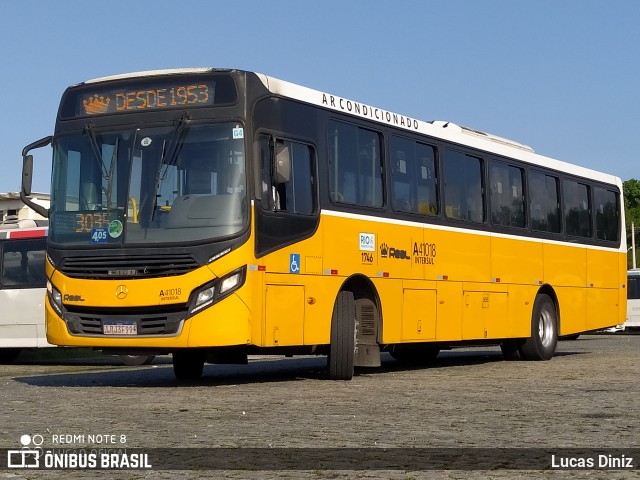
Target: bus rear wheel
(342, 348)
(188, 364)
(541, 345)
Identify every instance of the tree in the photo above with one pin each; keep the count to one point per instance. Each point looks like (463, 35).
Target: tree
(631, 194)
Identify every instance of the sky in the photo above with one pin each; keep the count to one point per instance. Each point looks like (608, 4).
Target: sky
(562, 76)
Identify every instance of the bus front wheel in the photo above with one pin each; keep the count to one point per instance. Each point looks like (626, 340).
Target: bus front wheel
(544, 331)
(342, 347)
(136, 360)
(188, 364)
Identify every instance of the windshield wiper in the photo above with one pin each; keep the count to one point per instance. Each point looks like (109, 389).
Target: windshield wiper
(108, 175)
(168, 157)
(169, 153)
(89, 132)
(112, 169)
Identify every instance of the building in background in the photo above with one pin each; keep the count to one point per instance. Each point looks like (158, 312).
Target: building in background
(11, 207)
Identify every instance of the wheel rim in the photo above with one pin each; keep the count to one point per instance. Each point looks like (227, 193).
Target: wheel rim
(546, 327)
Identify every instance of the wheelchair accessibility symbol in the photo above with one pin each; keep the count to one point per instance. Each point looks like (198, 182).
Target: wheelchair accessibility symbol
(294, 263)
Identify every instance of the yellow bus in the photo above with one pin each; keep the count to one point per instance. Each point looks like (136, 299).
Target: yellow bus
(213, 214)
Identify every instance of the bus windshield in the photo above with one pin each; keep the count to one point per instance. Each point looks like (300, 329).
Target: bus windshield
(149, 185)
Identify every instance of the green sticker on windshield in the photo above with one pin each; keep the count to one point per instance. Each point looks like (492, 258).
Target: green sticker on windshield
(115, 228)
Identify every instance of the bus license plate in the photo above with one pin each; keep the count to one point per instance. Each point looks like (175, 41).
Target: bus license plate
(120, 328)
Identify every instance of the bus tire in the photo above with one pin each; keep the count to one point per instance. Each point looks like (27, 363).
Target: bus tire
(343, 331)
(541, 345)
(188, 364)
(136, 360)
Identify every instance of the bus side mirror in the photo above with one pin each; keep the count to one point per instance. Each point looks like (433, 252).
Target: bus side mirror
(283, 163)
(27, 174)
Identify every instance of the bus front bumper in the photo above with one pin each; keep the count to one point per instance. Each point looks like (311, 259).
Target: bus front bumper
(223, 324)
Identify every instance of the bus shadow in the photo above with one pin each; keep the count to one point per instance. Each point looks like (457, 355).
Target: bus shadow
(257, 371)
(162, 375)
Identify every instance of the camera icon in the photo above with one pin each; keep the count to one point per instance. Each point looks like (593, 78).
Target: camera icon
(26, 457)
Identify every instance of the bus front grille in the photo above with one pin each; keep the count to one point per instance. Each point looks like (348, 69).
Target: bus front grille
(128, 267)
(150, 324)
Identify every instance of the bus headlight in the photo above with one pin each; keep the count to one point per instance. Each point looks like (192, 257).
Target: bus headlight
(213, 292)
(54, 297)
(205, 296)
(230, 283)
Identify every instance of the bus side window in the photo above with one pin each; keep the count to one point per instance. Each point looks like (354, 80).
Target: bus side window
(607, 215)
(355, 165)
(543, 202)
(413, 188)
(463, 187)
(576, 209)
(288, 177)
(427, 180)
(507, 199)
(402, 198)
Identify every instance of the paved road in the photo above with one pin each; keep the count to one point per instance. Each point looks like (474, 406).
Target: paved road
(587, 397)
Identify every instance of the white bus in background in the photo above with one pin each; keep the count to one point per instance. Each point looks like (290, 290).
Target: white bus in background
(22, 286)
(633, 300)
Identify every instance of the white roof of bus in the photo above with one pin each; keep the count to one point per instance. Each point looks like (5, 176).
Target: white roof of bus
(150, 73)
(439, 129)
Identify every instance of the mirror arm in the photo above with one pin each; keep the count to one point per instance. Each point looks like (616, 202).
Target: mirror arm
(27, 175)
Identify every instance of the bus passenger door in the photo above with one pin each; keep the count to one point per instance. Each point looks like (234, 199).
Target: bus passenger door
(286, 220)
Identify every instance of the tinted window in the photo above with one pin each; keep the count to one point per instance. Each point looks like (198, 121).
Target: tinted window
(544, 207)
(607, 214)
(463, 186)
(288, 179)
(355, 165)
(414, 184)
(23, 263)
(576, 209)
(633, 290)
(507, 197)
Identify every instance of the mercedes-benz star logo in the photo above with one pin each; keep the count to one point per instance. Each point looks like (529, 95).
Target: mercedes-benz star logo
(121, 292)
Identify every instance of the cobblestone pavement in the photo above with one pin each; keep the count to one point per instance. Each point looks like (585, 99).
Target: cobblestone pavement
(587, 396)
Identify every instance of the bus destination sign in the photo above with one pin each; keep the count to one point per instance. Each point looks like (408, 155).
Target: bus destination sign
(101, 102)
